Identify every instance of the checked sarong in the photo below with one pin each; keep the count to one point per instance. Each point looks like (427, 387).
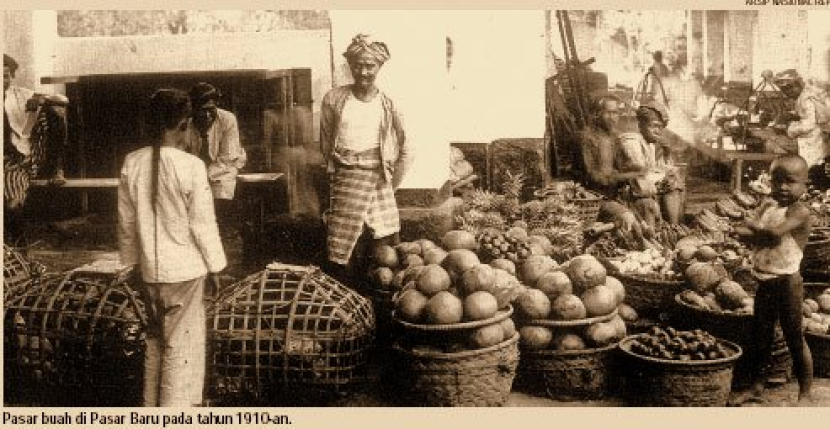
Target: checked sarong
(359, 196)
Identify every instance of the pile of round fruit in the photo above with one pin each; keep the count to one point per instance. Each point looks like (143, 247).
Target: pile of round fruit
(671, 344)
(726, 296)
(817, 313)
(459, 289)
(690, 251)
(577, 290)
(646, 262)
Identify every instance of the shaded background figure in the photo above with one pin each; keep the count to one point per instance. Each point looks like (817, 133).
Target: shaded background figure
(213, 136)
(805, 124)
(167, 230)
(367, 153)
(289, 146)
(34, 145)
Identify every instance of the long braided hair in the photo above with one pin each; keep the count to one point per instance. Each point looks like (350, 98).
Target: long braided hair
(166, 110)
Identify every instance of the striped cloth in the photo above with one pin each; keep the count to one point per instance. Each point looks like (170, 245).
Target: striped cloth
(359, 196)
(19, 169)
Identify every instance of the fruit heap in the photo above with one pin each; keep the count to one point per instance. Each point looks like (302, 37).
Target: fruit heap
(817, 313)
(736, 206)
(393, 266)
(672, 344)
(513, 245)
(458, 289)
(574, 291)
(648, 262)
(819, 204)
(726, 297)
(732, 253)
(710, 221)
(553, 218)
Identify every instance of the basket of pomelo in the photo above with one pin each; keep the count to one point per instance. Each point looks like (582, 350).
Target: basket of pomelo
(569, 329)
(667, 367)
(816, 310)
(456, 344)
(391, 269)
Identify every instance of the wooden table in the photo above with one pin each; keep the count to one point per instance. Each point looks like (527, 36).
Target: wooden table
(737, 159)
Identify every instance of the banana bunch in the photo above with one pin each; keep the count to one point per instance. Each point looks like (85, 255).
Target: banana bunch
(709, 221)
(729, 208)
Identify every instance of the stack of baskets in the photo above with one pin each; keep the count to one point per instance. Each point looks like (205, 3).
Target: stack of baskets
(287, 326)
(428, 375)
(736, 328)
(19, 273)
(659, 382)
(570, 374)
(76, 339)
(587, 208)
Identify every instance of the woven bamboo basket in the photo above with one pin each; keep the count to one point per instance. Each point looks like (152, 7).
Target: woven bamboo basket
(820, 349)
(649, 296)
(737, 328)
(817, 252)
(587, 209)
(668, 383)
(19, 273)
(287, 326)
(571, 374)
(77, 339)
(819, 343)
(475, 378)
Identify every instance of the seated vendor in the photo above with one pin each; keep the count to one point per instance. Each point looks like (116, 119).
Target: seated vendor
(599, 152)
(648, 156)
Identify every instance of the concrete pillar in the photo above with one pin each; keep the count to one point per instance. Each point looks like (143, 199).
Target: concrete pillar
(694, 41)
(740, 28)
(18, 43)
(781, 41)
(818, 41)
(713, 42)
(44, 53)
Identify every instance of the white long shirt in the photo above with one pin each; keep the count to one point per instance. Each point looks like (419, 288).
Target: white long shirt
(181, 240)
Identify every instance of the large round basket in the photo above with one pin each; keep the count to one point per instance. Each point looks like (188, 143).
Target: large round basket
(819, 343)
(820, 349)
(75, 339)
(669, 383)
(476, 378)
(737, 328)
(570, 374)
(649, 295)
(817, 252)
(19, 273)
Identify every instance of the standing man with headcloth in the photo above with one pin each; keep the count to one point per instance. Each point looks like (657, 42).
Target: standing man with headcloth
(367, 154)
(167, 230)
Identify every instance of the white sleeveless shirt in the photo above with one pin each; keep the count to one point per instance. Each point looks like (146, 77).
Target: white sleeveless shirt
(359, 128)
(782, 259)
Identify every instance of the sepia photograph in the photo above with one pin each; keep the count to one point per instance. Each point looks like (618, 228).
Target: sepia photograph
(550, 208)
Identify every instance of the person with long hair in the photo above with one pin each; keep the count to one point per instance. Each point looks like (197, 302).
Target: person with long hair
(167, 231)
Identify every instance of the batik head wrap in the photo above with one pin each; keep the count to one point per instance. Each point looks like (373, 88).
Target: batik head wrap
(365, 44)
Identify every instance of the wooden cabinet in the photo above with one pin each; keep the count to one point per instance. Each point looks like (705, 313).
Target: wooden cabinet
(273, 109)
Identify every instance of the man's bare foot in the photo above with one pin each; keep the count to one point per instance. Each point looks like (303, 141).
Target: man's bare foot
(58, 179)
